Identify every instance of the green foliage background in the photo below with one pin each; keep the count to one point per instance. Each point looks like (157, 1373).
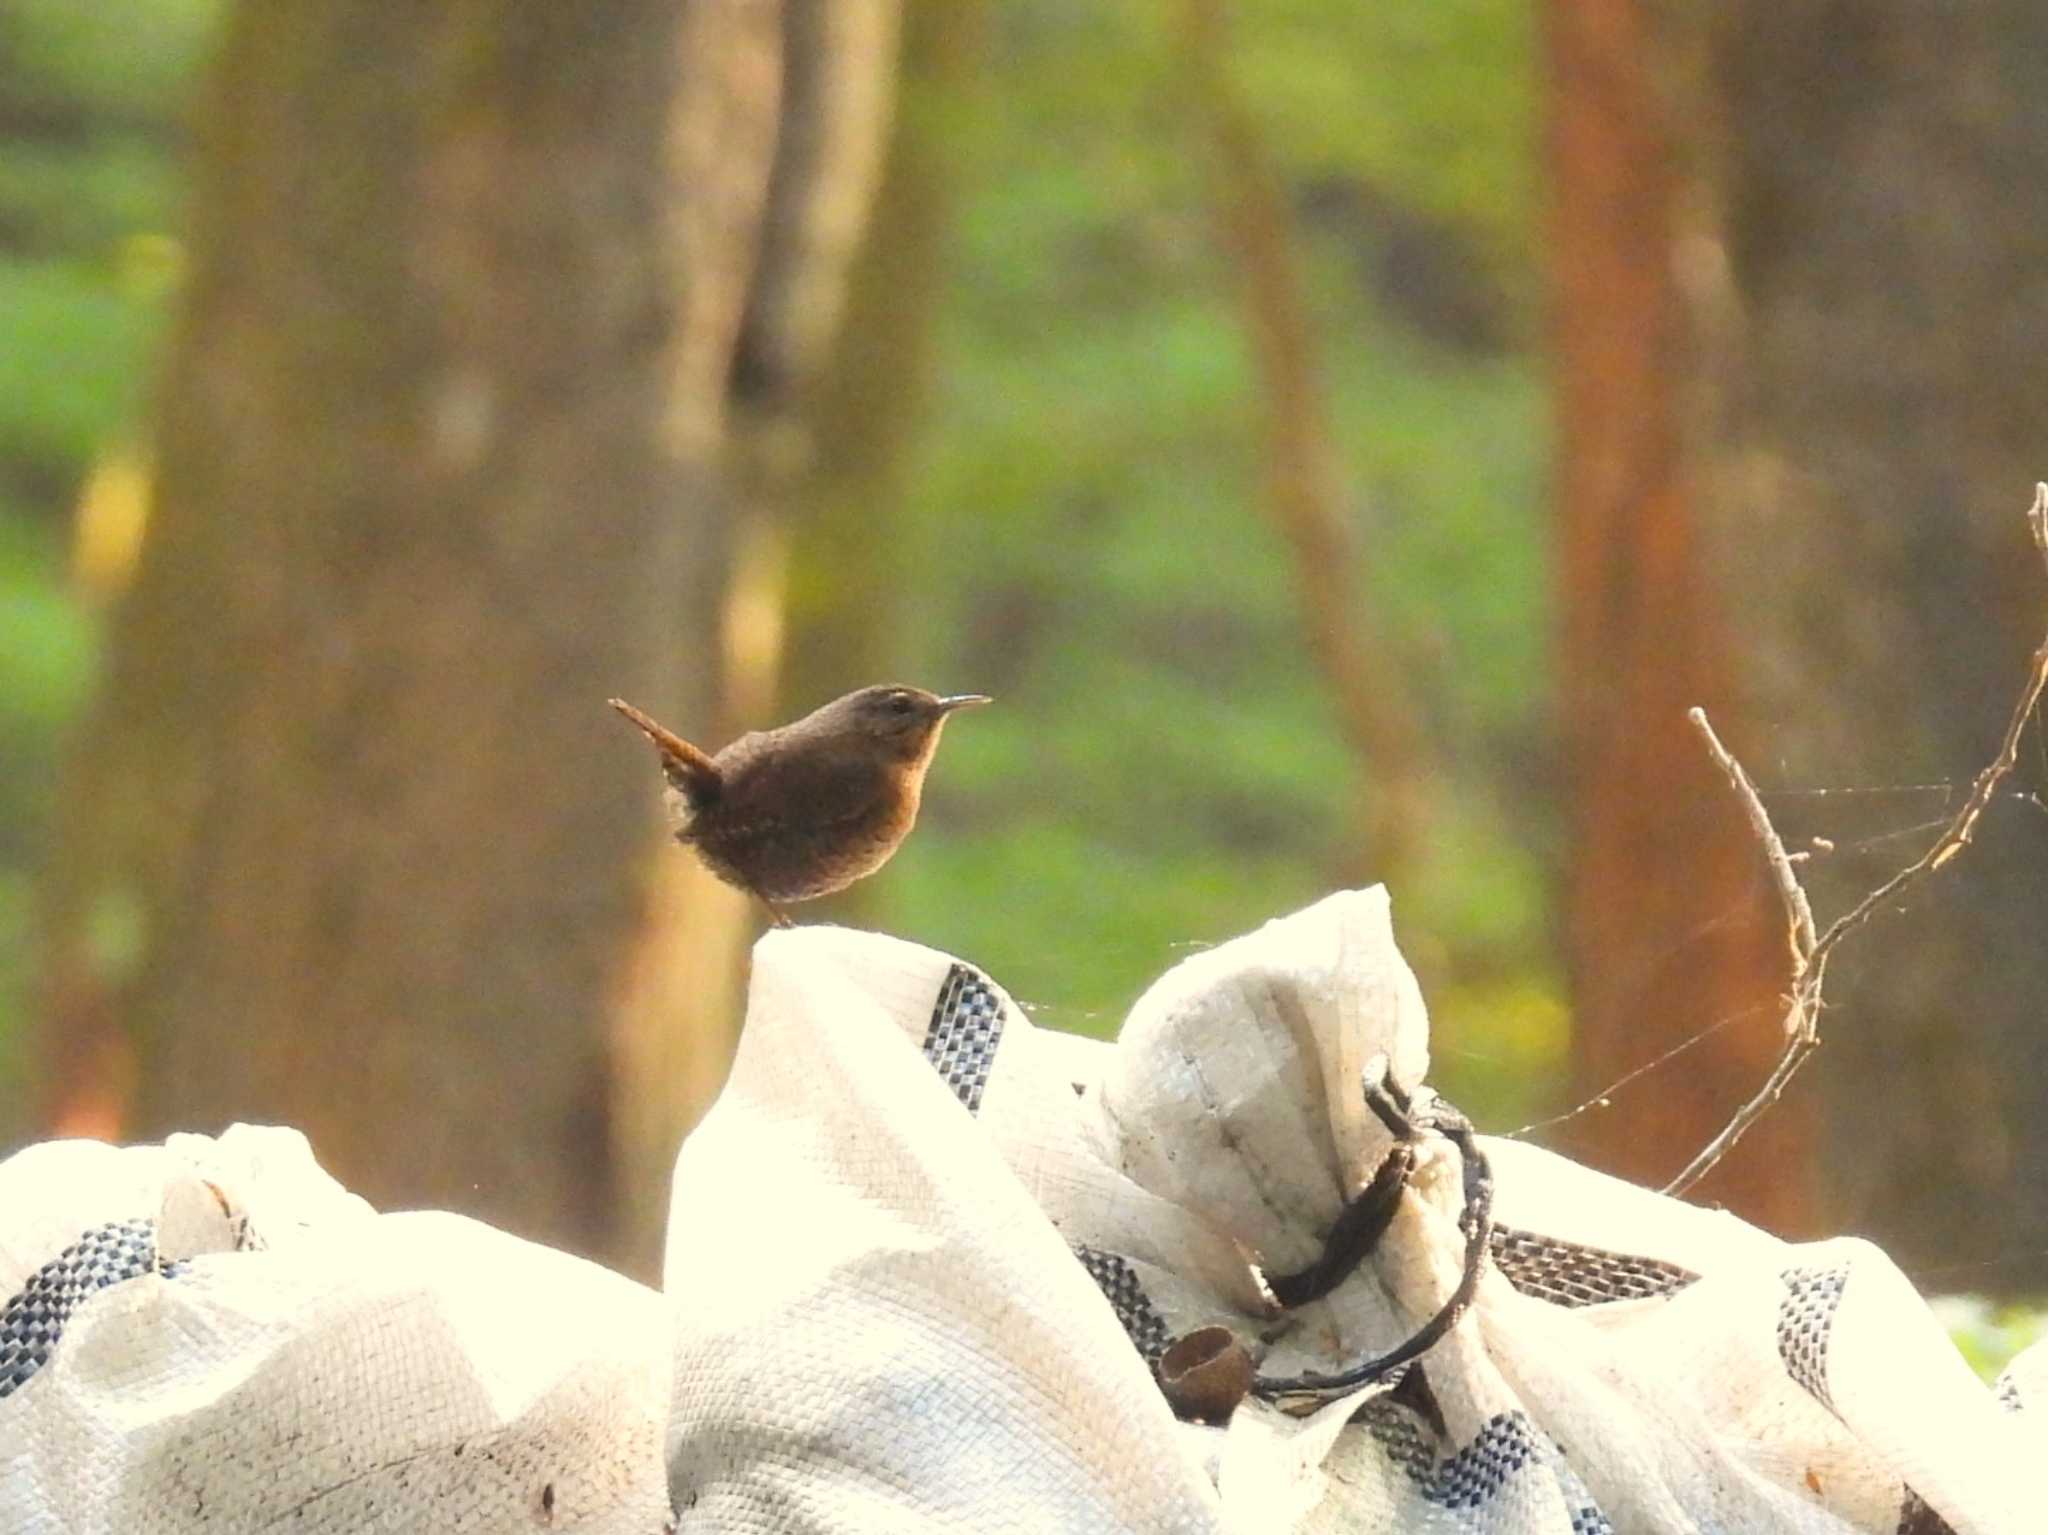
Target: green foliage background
(1083, 524)
(1163, 768)
(1082, 532)
(92, 98)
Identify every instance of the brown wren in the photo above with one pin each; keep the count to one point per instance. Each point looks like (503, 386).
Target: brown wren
(805, 810)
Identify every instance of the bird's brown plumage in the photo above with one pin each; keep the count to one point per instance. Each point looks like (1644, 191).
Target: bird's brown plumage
(806, 809)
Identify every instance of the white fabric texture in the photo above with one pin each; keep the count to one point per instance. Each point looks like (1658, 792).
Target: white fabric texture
(212, 1335)
(924, 1258)
(923, 1261)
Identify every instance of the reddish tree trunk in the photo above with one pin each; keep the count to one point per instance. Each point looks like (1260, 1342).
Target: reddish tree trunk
(1670, 926)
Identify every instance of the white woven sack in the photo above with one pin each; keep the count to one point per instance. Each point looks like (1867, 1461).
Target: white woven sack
(212, 1335)
(925, 1258)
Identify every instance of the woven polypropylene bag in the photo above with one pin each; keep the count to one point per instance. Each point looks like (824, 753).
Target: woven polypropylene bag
(212, 1335)
(925, 1256)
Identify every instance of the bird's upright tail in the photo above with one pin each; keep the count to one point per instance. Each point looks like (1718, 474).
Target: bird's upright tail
(689, 772)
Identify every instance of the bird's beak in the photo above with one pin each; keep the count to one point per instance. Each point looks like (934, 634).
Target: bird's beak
(964, 701)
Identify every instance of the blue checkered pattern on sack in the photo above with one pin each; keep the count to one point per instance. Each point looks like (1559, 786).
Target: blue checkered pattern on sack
(1118, 1281)
(1402, 1438)
(1476, 1474)
(1480, 1472)
(1568, 1274)
(1587, 1517)
(1805, 1317)
(32, 1320)
(966, 1027)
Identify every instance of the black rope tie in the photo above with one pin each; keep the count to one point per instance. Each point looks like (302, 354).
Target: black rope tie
(1357, 1232)
(1364, 1221)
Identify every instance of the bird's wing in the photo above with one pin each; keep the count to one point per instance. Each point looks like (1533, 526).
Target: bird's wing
(767, 788)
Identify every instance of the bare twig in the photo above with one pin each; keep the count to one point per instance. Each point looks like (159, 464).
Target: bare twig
(1797, 912)
(1810, 953)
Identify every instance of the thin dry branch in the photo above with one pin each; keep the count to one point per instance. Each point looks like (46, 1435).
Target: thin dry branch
(1810, 953)
(1798, 912)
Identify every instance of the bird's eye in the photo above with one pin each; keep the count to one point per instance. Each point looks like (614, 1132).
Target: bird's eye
(899, 703)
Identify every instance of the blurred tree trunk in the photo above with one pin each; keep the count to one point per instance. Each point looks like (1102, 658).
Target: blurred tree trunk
(789, 149)
(677, 1009)
(351, 842)
(1305, 493)
(847, 537)
(1669, 925)
(842, 149)
(819, 163)
(1875, 444)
